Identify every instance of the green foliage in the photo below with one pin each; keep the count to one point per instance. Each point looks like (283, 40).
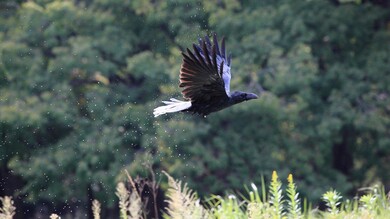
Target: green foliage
(79, 80)
(276, 197)
(332, 200)
(229, 208)
(293, 202)
(183, 203)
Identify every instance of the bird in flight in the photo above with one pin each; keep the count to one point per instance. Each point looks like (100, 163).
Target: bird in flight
(205, 79)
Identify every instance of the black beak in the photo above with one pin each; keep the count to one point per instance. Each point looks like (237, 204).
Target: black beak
(251, 96)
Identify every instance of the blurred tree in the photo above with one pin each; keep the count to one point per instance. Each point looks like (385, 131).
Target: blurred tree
(72, 105)
(314, 57)
(79, 79)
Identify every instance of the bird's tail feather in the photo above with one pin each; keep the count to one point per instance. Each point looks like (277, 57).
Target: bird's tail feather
(171, 106)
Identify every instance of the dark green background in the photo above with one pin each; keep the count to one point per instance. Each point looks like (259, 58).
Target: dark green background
(80, 78)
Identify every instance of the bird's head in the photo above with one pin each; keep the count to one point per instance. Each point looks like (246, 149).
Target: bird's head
(239, 96)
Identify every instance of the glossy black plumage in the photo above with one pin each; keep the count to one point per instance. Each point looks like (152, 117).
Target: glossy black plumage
(205, 79)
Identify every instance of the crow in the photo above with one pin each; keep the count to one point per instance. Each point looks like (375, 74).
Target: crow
(205, 79)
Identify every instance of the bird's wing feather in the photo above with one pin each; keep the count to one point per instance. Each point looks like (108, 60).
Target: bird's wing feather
(205, 72)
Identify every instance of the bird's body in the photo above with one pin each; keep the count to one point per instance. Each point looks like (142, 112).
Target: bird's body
(205, 79)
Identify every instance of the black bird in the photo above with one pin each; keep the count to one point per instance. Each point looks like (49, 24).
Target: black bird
(205, 79)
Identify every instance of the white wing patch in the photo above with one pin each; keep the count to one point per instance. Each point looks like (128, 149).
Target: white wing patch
(226, 76)
(171, 106)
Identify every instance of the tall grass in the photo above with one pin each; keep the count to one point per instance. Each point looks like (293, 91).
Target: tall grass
(130, 203)
(183, 202)
(7, 211)
(272, 203)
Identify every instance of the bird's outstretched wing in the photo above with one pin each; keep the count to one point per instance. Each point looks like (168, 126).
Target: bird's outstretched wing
(205, 72)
